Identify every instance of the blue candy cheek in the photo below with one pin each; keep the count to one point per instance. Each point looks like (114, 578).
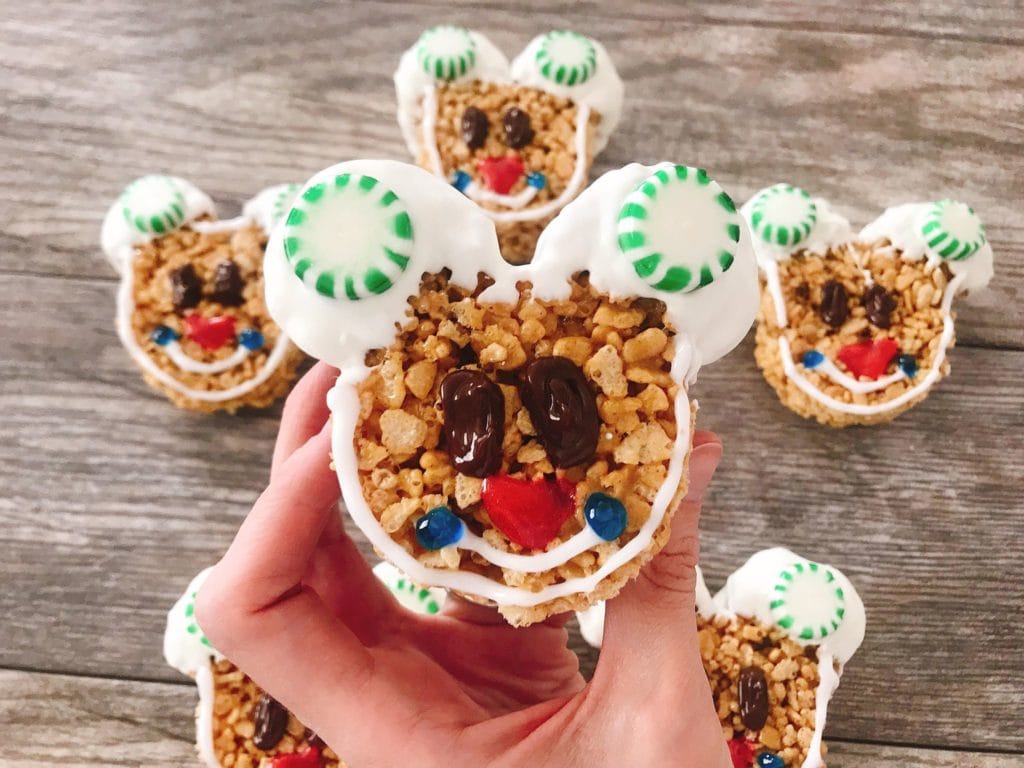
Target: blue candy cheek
(461, 180)
(439, 528)
(251, 339)
(907, 364)
(813, 358)
(536, 179)
(769, 760)
(163, 335)
(605, 515)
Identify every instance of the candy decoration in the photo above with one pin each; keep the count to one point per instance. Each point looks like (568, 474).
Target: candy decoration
(283, 202)
(679, 229)
(227, 284)
(742, 752)
(566, 57)
(162, 335)
(953, 230)
(474, 422)
(438, 528)
(446, 52)
(879, 305)
(518, 131)
(813, 358)
(210, 333)
(461, 180)
(153, 205)
(907, 364)
(536, 179)
(809, 605)
(270, 721)
(308, 758)
(752, 696)
(186, 288)
(474, 126)
(769, 760)
(868, 358)
(834, 308)
(783, 214)
(529, 512)
(500, 173)
(251, 339)
(606, 515)
(563, 410)
(348, 237)
(422, 599)
(192, 627)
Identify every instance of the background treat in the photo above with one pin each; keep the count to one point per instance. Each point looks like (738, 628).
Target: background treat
(517, 139)
(774, 642)
(856, 330)
(237, 724)
(190, 307)
(516, 433)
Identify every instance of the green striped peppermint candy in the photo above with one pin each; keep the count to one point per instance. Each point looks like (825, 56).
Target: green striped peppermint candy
(566, 57)
(190, 616)
(153, 205)
(348, 237)
(446, 52)
(282, 202)
(783, 214)
(953, 230)
(808, 602)
(679, 229)
(413, 597)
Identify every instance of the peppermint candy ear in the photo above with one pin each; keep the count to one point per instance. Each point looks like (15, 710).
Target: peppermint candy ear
(808, 603)
(446, 52)
(566, 57)
(348, 237)
(783, 214)
(952, 230)
(153, 205)
(679, 229)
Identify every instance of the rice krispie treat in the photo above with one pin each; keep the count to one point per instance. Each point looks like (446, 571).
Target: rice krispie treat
(856, 329)
(237, 724)
(519, 434)
(190, 308)
(774, 642)
(516, 139)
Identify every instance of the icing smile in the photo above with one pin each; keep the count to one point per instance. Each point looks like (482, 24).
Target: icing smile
(211, 335)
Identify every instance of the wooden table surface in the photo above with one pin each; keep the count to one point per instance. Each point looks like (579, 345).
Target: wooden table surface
(111, 499)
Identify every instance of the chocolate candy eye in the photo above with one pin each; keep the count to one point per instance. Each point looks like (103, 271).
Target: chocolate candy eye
(879, 304)
(474, 422)
(518, 132)
(474, 127)
(563, 410)
(186, 288)
(270, 721)
(227, 284)
(834, 308)
(753, 698)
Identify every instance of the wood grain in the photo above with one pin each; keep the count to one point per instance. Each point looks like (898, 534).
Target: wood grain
(67, 722)
(111, 499)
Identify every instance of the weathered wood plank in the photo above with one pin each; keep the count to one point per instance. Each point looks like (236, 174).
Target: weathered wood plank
(868, 118)
(113, 499)
(54, 720)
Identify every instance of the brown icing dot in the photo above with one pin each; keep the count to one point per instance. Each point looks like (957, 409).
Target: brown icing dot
(834, 308)
(186, 288)
(518, 132)
(753, 698)
(563, 410)
(271, 721)
(879, 304)
(474, 422)
(227, 284)
(474, 127)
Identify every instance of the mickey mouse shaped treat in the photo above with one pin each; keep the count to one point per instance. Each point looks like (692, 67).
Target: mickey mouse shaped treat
(856, 329)
(236, 722)
(774, 642)
(517, 139)
(519, 434)
(190, 307)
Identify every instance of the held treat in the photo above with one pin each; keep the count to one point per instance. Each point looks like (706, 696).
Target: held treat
(774, 642)
(237, 724)
(518, 434)
(857, 329)
(190, 308)
(516, 139)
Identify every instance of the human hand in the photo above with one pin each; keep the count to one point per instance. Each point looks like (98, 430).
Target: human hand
(295, 605)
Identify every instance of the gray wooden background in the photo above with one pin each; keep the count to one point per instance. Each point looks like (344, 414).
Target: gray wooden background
(110, 499)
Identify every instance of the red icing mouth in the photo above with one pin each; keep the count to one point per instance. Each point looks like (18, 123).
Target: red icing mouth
(210, 333)
(529, 512)
(308, 758)
(500, 173)
(869, 358)
(742, 752)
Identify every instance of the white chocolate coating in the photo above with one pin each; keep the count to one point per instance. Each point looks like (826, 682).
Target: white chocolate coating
(449, 231)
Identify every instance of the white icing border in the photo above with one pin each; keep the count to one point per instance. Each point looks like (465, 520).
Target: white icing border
(204, 716)
(572, 189)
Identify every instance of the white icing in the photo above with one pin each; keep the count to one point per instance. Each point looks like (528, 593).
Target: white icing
(827, 368)
(450, 231)
(119, 240)
(901, 226)
(185, 650)
(515, 202)
(480, 194)
(204, 717)
(270, 206)
(552, 558)
(411, 80)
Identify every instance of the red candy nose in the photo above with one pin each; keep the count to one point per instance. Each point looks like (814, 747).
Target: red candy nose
(500, 173)
(308, 758)
(529, 512)
(868, 358)
(210, 333)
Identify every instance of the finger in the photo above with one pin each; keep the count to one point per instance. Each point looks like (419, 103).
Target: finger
(305, 413)
(655, 612)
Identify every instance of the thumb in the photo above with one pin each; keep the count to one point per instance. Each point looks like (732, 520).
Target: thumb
(655, 611)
